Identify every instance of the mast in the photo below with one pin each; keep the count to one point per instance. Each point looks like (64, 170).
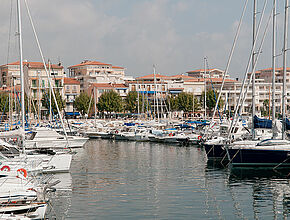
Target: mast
(284, 94)
(273, 69)
(204, 78)
(254, 75)
(38, 101)
(138, 105)
(95, 105)
(50, 98)
(143, 107)
(10, 114)
(21, 71)
(192, 105)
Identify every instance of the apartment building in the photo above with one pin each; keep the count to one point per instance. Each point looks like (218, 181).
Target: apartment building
(36, 81)
(71, 91)
(98, 89)
(207, 73)
(88, 72)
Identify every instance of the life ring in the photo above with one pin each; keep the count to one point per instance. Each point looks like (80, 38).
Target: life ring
(22, 172)
(199, 137)
(5, 168)
(170, 134)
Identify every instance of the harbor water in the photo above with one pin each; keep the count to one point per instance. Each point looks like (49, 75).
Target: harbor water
(141, 180)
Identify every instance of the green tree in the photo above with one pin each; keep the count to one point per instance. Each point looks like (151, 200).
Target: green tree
(265, 108)
(131, 102)
(196, 105)
(82, 103)
(4, 102)
(210, 100)
(110, 102)
(184, 102)
(171, 103)
(60, 102)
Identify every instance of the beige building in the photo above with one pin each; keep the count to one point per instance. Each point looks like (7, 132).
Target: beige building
(209, 73)
(99, 88)
(36, 82)
(71, 91)
(88, 72)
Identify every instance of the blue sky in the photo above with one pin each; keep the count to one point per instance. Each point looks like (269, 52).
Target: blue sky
(174, 35)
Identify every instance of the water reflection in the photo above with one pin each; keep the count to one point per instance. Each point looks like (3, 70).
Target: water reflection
(60, 200)
(112, 179)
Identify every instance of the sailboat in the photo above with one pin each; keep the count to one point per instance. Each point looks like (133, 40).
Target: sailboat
(271, 152)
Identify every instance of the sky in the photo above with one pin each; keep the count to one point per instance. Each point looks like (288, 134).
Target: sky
(173, 35)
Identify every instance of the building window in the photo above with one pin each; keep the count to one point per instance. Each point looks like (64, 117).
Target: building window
(33, 83)
(57, 84)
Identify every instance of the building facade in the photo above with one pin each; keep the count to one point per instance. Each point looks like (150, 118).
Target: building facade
(71, 91)
(98, 89)
(36, 81)
(88, 72)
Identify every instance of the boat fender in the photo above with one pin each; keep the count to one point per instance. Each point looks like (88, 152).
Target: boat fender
(199, 137)
(21, 173)
(5, 168)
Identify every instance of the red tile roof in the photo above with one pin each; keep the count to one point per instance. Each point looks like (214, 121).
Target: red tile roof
(277, 69)
(151, 76)
(211, 79)
(85, 63)
(176, 89)
(117, 67)
(71, 81)
(35, 65)
(108, 85)
(145, 83)
(120, 86)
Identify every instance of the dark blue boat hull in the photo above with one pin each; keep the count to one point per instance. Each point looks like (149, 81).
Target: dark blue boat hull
(259, 158)
(215, 152)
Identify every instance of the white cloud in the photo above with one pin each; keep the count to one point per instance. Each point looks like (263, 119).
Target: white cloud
(136, 35)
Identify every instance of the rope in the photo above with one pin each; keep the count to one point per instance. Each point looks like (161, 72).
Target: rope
(281, 164)
(233, 157)
(9, 35)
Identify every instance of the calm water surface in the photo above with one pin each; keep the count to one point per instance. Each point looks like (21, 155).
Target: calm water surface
(128, 180)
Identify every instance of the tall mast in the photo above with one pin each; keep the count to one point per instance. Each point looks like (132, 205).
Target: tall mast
(273, 66)
(154, 109)
(21, 68)
(38, 101)
(95, 106)
(50, 98)
(284, 70)
(204, 78)
(138, 105)
(254, 74)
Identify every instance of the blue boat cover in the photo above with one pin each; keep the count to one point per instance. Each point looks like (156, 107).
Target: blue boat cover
(262, 123)
(129, 124)
(72, 113)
